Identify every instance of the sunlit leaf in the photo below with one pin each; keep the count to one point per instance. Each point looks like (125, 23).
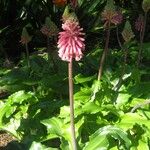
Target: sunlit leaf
(99, 140)
(128, 120)
(122, 99)
(81, 79)
(95, 88)
(54, 126)
(83, 95)
(39, 146)
(91, 107)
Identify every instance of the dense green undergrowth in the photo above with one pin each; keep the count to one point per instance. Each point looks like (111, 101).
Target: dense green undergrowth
(110, 114)
(37, 109)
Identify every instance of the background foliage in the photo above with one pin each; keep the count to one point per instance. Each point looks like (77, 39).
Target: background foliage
(34, 102)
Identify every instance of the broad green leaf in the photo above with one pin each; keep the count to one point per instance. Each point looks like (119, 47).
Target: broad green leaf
(97, 143)
(143, 145)
(91, 107)
(64, 144)
(39, 146)
(57, 128)
(136, 101)
(83, 95)
(88, 108)
(122, 99)
(54, 126)
(22, 96)
(81, 79)
(12, 103)
(95, 88)
(1, 104)
(99, 140)
(128, 120)
(93, 5)
(12, 127)
(66, 131)
(14, 110)
(114, 148)
(65, 111)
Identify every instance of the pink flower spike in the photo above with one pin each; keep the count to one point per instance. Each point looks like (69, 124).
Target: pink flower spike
(139, 24)
(71, 41)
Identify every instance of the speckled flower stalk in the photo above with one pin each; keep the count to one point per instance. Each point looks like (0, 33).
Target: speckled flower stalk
(109, 16)
(25, 39)
(50, 30)
(70, 45)
(140, 25)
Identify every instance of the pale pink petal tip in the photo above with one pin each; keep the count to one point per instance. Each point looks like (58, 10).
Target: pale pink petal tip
(71, 41)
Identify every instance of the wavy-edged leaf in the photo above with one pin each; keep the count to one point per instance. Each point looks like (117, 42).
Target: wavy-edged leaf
(99, 140)
(83, 95)
(81, 79)
(128, 120)
(54, 126)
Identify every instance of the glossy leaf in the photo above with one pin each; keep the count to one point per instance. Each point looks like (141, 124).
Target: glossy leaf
(128, 120)
(99, 140)
(81, 79)
(54, 126)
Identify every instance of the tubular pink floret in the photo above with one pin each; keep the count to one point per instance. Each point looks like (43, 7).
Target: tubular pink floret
(71, 41)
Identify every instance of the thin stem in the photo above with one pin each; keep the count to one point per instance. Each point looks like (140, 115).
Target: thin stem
(48, 47)
(104, 53)
(74, 144)
(27, 54)
(118, 39)
(142, 33)
(147, 102)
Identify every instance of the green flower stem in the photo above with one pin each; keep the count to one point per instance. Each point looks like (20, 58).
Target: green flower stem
(27, 54)
(74, 144)
(104, 52)
(142, 33)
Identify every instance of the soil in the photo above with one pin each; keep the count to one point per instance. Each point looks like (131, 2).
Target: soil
(5, 138)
